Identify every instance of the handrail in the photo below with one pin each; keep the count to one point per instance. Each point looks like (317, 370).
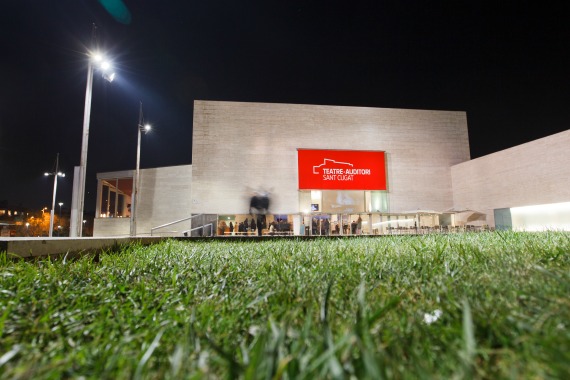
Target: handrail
(211, 225)
(171, 223)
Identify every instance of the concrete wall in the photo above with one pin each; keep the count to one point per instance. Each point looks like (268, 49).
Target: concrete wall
(29, 247)
(534, 173)
(239, 147)
(164, 196)
(103, 227)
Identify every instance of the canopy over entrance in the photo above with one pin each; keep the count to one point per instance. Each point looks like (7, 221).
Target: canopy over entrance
(467, 214)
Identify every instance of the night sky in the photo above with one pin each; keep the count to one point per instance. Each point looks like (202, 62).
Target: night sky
(505, 63)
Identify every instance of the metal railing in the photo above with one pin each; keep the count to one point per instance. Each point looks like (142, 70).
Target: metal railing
(153, 229)
(189, 232)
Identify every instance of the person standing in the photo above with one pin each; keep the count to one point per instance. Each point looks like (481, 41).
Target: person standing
(246, 226)
(231, 228)
(223, 226)
(359, 225)
(259, 225)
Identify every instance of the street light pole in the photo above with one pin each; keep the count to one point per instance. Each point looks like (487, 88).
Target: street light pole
(55, 174)
(58, 229)
(84, 144)
(134, 202)
(108, 75)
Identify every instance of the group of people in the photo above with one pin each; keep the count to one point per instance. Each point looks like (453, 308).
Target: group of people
(253, 226)
(356, 227)
(247, 227)
(322, 227)
(279, 226)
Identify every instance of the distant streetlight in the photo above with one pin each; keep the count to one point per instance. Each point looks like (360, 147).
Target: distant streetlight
(134, 202)
(60, 204)
(27, 229)
(106, 69)
(55, 174)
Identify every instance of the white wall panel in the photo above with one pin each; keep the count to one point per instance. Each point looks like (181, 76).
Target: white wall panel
(534, 173)
(164, 196)
(239, 147)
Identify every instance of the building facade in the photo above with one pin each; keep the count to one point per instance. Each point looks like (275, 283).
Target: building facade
(327, 170)
(532, 174)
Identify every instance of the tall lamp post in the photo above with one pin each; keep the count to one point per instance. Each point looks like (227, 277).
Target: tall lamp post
(55, 174)
(134, 202)
(105, 67)
(60, 204)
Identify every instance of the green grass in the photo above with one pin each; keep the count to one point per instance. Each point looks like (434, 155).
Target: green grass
(348, 308)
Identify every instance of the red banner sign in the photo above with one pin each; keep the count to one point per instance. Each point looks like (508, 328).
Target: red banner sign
(341, 170)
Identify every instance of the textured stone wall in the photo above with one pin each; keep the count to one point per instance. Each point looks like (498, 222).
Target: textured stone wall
(111, 227)
(164, 196)
(534, 173)
(240, 147)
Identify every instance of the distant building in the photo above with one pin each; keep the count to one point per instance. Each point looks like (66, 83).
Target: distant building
(9, 218)
(325, 167)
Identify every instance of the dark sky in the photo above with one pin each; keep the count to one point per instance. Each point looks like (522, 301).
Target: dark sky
(505, 63)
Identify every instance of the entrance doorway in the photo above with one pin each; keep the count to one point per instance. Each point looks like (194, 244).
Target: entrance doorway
(317, 224)
(337, 224)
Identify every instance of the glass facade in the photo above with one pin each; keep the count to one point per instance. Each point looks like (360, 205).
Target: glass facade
(114, 197)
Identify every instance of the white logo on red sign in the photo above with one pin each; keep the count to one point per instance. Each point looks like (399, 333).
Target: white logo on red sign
(332, 170)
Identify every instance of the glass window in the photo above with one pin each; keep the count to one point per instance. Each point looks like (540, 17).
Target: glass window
(305, 201)
(121, 205)
(112, 203)
(115, 197)
(104, 201)
(379, 201)
(346, 201)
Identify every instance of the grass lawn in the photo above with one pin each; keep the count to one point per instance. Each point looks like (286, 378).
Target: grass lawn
(487, 305)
